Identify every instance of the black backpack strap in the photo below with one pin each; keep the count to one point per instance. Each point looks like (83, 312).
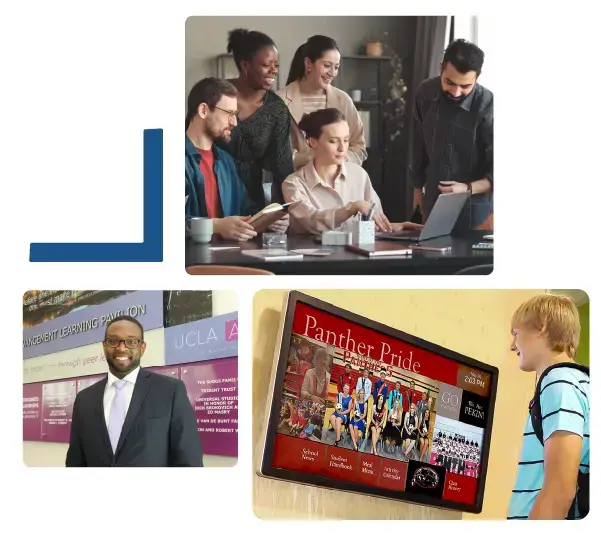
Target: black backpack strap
(535, 409)
(582, 495)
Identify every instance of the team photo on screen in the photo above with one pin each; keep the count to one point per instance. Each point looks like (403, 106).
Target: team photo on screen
(360, 406)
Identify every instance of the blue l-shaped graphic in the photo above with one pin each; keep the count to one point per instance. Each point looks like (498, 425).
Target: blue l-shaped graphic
(151, 247)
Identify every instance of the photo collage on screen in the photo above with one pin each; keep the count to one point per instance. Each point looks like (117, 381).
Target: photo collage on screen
(360, 419)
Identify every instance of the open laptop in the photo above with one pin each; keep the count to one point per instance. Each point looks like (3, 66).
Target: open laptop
(441, 221)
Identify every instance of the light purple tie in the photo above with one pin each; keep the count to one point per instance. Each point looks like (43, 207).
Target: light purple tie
(117, 414)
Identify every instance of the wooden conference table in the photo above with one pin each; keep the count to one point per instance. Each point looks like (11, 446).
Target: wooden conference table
(343, 262)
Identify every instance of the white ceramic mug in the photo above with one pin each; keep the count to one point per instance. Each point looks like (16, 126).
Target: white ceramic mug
(356, 95)
(200, 230)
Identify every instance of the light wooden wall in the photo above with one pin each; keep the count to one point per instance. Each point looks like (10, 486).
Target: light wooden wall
(471, 322)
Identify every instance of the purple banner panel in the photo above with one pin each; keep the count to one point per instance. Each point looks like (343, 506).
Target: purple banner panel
(207, 339)
(57, 410)
(85, 382)
(87, 326)
(213, 391)
(32, 409)
(168, 371)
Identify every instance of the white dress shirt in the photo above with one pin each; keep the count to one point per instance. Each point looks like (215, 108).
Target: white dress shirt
(366, 384)
(110, 391)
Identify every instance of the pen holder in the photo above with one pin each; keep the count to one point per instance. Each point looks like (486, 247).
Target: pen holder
(363, 231)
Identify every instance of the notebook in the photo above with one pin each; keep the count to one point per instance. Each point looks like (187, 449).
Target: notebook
(273, 254)
(270, 214)
(380, 248)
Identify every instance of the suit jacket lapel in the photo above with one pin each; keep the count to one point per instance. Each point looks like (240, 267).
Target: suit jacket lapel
(99, 419)
(137, 399)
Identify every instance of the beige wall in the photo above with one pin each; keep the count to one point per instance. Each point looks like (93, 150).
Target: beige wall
(206, 37)
(52, 454)
(472, 322)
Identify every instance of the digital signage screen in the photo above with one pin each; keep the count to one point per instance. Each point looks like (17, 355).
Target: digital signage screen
(359, 406)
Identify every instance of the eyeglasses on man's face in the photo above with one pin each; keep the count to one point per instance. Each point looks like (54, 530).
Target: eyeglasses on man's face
(231, 115)
(129, 343)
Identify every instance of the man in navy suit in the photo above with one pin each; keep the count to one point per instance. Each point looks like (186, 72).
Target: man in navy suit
(380, 387)
(132, 418)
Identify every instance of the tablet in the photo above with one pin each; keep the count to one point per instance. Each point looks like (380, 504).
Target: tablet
(445, 468)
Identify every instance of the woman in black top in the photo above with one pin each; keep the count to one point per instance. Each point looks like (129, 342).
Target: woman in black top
(261, 139)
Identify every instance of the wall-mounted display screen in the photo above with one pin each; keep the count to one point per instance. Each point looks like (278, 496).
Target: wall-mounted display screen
(360, 406)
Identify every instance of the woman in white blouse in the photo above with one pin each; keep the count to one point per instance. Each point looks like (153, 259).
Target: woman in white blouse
(309, 88)
(329, 191)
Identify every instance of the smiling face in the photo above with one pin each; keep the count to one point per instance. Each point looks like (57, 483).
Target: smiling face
(262, 69)
(323, 71)
(530, 345)
(123, 360)
(456, 85)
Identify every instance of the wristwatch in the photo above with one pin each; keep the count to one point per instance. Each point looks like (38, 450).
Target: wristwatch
(469, 187)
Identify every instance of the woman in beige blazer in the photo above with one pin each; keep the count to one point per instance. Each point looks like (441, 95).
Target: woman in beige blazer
(309, 88)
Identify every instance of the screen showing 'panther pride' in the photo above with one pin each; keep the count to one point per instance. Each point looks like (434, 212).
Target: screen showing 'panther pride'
(360, 406)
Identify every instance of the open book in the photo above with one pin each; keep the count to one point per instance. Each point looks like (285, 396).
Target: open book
(270, 214)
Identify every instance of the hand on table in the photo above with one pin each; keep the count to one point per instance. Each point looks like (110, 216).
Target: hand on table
(452, 187)
(234, 227)
(281, 225)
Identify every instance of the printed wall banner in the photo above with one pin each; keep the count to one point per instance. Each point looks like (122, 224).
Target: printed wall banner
(167, 371)
(213, 391)
(57, 410)
(87, 360)
(41, 306)
(86, 382)
(32, 411)
(206, 339)
(87, 326)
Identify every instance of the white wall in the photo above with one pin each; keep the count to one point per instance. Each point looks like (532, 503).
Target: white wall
(206, 37)
(224, 302)
(480, 31)
(52, 454)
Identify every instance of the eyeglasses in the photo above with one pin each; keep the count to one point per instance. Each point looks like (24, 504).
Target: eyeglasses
(230, 114)
(129, 343)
